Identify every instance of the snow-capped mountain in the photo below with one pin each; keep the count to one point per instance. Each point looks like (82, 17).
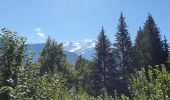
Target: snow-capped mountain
(85, 47)
(72, 49)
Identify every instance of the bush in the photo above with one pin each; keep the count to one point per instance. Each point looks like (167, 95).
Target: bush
(153, 84)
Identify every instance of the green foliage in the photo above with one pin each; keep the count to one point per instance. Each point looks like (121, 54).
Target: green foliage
(166, 53)
(83, 70)
(168, 61)
(52, 57)
(48, 86)
(123, 54)
(12, 49)
(20, 77)
(52, 77)
(53, 60)
(103, 69)
(154, 87)
(150, 49)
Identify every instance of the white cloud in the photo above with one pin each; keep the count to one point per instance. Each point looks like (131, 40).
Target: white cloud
(39, 32)
(41, 35)
(37, 29)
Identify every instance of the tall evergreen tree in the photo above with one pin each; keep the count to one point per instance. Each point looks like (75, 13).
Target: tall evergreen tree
(123, 47)
(166, 52)
(149, 45)
(138, 46)
(103, 63)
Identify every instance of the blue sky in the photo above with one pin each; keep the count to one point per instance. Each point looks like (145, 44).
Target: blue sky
(76, 20)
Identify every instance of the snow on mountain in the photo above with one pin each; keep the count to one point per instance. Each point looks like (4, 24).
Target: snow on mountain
(72, 49)
(85, 47)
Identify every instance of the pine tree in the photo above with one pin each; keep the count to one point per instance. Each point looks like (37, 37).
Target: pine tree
(149, 45)
(138, 46)
(166, 52)
(111, 74)
(102, 63)
(123, 47)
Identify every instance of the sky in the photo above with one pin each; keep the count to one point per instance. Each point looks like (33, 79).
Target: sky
(76, 20)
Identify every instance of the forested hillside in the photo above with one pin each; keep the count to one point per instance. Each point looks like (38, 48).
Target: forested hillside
(121, 70)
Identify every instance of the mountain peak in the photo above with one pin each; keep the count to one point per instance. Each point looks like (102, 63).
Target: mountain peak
(81, 47)
(72, 49)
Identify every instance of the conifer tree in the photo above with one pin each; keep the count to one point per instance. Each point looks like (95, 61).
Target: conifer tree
(123, 47)
(149, 46)
(138, 46)
(83, 71)
(102, 63)
(166, 52)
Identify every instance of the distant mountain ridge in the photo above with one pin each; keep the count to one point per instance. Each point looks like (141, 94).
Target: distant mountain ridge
(72, 49)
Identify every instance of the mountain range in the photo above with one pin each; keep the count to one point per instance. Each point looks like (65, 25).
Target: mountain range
(72, 49)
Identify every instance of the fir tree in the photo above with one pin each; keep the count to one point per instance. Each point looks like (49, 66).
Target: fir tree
(138, 48)
(149, 45)
(123, 47)
(166, 52)
(102, 63)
